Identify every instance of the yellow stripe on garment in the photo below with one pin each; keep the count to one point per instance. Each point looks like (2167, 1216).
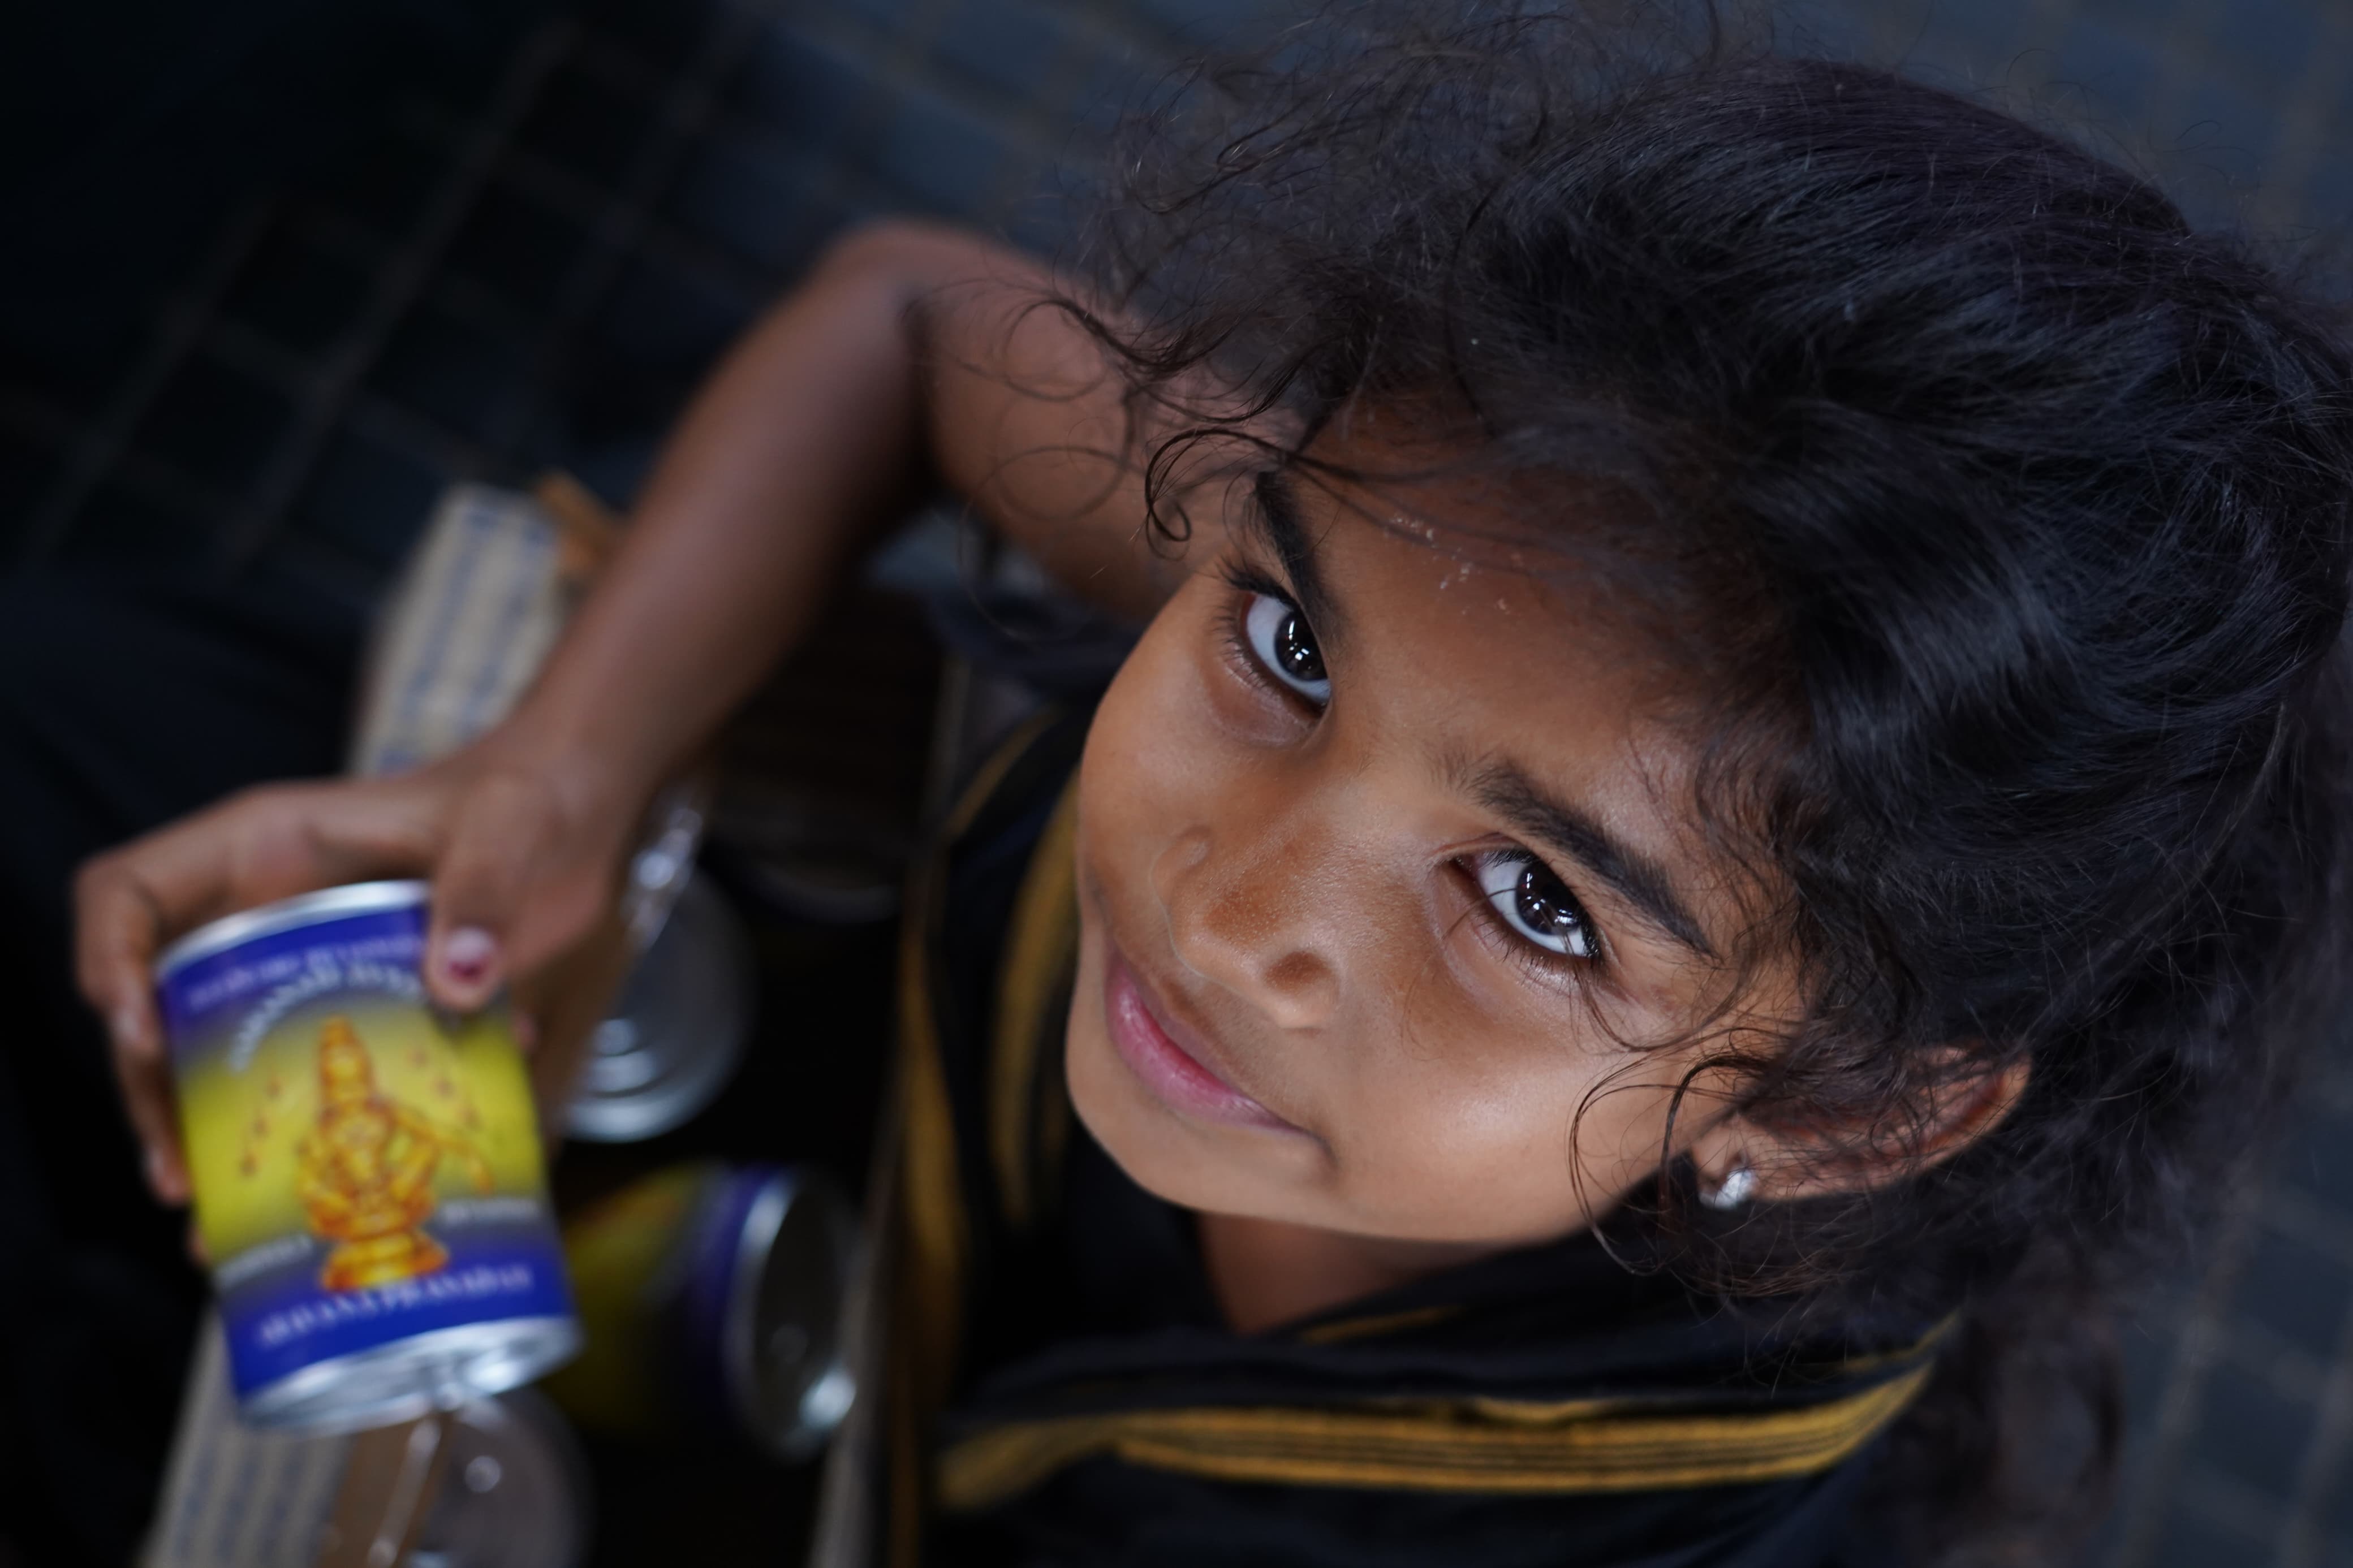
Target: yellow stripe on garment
(928, 1238)
(934, 1238)
(1441, 1447)
(1042, 946)
(934, 1226)
(991, 773)
(1347, 1329)
(933, 1241)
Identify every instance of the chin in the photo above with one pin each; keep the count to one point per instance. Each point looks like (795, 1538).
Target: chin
(1175, 1160)
(1142, 1136)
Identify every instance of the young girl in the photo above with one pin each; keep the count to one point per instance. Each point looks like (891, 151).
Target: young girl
(1726, 806)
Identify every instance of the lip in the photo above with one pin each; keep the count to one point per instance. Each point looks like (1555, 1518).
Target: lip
(1177, 1076)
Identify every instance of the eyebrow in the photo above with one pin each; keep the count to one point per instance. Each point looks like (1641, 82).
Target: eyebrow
(1633, 876)
(1280, 521)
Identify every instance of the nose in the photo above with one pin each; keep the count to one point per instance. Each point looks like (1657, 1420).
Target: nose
(1258, 914)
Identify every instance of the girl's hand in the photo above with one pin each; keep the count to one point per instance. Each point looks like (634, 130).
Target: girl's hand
(522, 859)
(910, 356)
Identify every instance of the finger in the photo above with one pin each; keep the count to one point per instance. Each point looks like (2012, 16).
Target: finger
(303, 837)
(125, 904)
(486, 869)
(261, 844)
(129, 901)
(117, 931)
(146, 1082)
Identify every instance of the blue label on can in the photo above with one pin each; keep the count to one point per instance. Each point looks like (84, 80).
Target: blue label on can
(365, 1168)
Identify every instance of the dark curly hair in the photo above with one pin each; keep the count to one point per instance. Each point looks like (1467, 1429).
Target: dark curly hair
(2003, 517)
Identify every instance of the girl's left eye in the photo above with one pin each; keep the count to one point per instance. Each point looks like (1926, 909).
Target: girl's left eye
(1536, 904)
(1282, 641)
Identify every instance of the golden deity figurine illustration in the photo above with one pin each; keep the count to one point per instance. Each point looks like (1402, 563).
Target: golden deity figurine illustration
(365, 1172)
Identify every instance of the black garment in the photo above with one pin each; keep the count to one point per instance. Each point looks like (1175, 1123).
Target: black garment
(122, 706)
(1546, 1405)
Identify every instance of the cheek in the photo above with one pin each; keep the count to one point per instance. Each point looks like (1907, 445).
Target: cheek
(1140, 749)
(1087, 1058)
(1168, 744)
(1476, 1129)
(1438, 1146)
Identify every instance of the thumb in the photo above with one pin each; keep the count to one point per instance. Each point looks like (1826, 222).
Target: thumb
(479, 886)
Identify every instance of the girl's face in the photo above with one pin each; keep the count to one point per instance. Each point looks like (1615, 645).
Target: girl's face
(1379, 867)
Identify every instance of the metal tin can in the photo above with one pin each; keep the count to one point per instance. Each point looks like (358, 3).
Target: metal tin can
(513, 1491)
(367, 1171)
(677, 1031)
(712, 1294)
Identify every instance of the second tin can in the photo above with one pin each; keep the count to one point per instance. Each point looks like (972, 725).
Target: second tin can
(367, 1170)
(712, 1294)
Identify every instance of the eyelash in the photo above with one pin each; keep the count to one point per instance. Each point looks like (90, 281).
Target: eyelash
(1520, 949)
(1249, 580)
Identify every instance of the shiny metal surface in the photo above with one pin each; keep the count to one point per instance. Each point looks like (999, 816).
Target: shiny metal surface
(677, 1031)
(781, 1350)
(443, 1370)
(287, 914)
(514, 1490)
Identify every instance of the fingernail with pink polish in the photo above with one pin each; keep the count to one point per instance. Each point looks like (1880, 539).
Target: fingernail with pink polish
(468, 954)
(125, 1023)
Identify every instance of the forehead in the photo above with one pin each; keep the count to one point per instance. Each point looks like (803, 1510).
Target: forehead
(1519, 639)
(1459, 637)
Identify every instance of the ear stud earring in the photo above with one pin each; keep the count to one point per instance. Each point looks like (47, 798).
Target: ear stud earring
(1738, 1185)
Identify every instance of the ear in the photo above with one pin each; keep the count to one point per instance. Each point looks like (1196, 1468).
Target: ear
(1824, 1162)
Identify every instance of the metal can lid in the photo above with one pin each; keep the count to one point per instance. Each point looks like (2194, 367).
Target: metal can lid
(673, 1040)
(514, 1490)
(781, 1352)
(288, 914)
(402, 1379)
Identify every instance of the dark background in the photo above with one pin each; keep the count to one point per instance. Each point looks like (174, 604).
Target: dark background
(272, 272)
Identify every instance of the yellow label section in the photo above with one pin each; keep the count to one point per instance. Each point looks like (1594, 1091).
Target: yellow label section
(621, 1255)
(357, 1118)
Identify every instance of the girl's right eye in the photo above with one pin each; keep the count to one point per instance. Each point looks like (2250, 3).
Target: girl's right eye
(1536, 904)
(1285, 645)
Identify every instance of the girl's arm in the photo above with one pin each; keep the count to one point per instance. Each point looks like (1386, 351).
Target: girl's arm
(911, 356)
